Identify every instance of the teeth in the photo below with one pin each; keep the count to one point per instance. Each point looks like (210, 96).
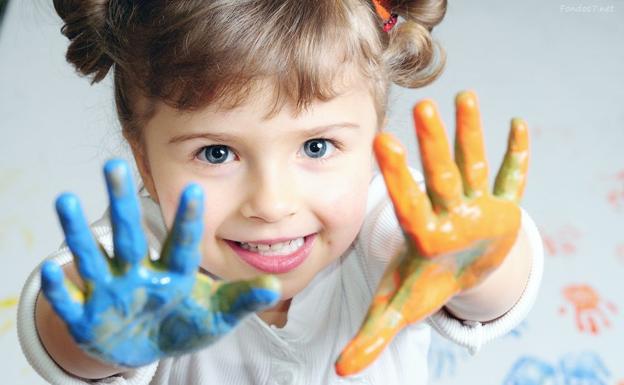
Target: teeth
(281, 248)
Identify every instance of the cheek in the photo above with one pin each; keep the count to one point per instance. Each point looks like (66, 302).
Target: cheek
(342, 209)
(215, 207)
(169, 192)
(168, 208)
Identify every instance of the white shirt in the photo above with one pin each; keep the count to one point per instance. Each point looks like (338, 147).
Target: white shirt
(321, 320)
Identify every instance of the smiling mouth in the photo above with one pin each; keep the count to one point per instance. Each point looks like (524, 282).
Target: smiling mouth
(280, 260)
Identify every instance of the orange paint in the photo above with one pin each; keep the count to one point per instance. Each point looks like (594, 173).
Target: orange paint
(457, 232)
(588, 308)
(619, 252)
(561, 242)
(615, 196)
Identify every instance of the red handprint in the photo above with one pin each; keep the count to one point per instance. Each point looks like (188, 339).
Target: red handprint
(619, 254)
(588, 307)
(615, 196)
(561, 242)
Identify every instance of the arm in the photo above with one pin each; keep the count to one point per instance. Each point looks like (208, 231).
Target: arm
(457, 232)
(104, 295)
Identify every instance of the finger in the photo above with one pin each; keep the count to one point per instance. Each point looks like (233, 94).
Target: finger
(181, 251)
(378, 328)
(90, 262)
(469, 147)
(511, 178)
(411, 204)
(55, 290)
(240, 298)
(130, 245)
(367, 345)
(441, 174)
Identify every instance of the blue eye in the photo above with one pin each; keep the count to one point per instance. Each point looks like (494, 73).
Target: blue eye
(317, 148)
(215, 154)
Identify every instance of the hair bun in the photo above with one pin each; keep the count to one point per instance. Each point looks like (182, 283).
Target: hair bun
(86, 28)
(412, 57)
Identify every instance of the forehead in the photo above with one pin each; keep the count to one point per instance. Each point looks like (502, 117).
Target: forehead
(353, 103)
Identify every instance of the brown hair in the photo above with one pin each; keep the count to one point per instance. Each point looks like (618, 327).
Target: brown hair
(191, 53)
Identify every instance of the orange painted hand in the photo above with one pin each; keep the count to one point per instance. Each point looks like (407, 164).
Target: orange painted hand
(456, 234)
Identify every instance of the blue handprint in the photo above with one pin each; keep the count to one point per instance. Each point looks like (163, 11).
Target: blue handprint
(134, 311)
(585, 368)
(531, 371)
(443, 357)
(519, 331)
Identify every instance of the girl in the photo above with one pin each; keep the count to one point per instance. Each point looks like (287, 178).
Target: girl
(262, 269)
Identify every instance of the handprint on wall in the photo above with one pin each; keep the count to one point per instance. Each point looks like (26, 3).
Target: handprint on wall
(444, 357)
(563, 241)
(590, 311)
(530, 371)
(619, 254)
(518, 331)
(584, 368)
(615, 196)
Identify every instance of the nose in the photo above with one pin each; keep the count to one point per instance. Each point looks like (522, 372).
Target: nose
(272, 195)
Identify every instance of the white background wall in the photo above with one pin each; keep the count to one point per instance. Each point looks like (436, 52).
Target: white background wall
(557, 64)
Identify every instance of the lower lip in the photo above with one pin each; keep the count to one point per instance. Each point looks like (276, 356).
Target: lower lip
(275, 264)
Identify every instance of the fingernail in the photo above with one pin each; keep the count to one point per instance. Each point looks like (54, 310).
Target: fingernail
(116, 171)
(192, 199)
(51, 271)
(466, 98)
(66, 205)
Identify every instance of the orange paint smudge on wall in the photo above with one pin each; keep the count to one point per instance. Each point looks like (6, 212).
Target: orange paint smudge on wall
(562, 241)
(589, 308)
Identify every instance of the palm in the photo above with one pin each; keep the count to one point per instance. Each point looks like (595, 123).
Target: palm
(133, 310)
(456, 233)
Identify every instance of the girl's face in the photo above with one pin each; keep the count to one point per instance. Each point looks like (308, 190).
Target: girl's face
(287, 177)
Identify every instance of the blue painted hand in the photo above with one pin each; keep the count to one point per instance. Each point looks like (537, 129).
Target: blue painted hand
(134, 311)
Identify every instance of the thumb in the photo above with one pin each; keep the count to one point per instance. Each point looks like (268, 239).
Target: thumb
(239, 298)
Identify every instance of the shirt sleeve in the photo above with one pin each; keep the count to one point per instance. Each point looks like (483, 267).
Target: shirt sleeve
(381, 238)
(28, 337)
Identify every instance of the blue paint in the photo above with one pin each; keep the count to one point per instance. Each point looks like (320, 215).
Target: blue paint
(530, 371)
(519, 331)
(129, 240)
(89, 259)
(137, 311)
(444, 357)
(585, 368)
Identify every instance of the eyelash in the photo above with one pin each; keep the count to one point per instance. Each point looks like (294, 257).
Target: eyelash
(334, 143)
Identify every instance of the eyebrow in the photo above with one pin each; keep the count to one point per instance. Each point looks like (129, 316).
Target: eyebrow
(225, 137)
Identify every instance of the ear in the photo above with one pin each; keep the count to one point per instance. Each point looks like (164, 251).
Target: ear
(142, 162)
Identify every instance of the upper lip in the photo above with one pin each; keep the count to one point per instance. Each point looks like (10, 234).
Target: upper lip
(273, 241)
